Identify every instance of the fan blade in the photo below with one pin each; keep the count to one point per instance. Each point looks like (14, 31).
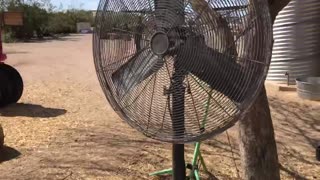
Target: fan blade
(168, 14)
(137, 69)
(218, 70)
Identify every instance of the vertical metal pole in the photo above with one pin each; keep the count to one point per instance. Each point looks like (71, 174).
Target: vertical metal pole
(178, 95)
(164, 20)
(178, 162)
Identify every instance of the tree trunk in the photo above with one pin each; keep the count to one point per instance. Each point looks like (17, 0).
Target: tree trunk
(1, 137)
(257, 143)
(256, 133)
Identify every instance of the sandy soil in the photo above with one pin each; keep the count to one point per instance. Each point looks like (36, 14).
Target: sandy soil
(63, 128)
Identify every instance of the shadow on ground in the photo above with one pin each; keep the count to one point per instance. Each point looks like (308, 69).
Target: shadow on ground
(16, 52)
(297, 120)
(293, 174)
(112, 150)
(101, 153)
(297, 127)
(31, 110)
(8, 153)
(65, 37)
(119, 152)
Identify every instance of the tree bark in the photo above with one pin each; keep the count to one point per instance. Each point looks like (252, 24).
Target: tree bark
(256, 133)
(257, 142)
(1, 137)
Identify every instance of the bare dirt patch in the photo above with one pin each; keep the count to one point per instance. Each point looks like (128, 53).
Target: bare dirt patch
(63, 128)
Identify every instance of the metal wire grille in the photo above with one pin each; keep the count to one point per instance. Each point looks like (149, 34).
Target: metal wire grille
(182, 70)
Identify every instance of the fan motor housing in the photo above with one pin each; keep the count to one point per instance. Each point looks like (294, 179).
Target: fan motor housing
(160, 43)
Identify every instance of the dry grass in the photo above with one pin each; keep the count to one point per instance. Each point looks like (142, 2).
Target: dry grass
(63, 127)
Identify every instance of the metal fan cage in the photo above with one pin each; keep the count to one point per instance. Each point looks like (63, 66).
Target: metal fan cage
(182, 71)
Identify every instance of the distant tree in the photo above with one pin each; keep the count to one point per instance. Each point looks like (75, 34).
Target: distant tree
(5, 3)
(66, 22)
(60, 22)
(80, 16)
(40, 19)
(39, 3)
(35, 20)
(44, 4)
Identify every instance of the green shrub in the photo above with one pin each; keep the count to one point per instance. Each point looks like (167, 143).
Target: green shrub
(40, 22)
(35, 21)
(66, 22)
(60, 23)
(9, 37)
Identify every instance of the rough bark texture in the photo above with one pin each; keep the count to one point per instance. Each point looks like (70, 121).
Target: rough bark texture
(1, 137)
(257, 143)
(256, 133)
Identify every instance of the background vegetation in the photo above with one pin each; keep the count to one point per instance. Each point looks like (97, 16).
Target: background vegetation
(42, 19)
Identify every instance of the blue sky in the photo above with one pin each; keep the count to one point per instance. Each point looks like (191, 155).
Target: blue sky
(83, 4)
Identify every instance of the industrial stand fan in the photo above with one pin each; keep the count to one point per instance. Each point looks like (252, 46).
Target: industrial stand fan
(182, 71)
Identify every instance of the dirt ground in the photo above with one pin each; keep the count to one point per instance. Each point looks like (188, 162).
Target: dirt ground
(63, 128)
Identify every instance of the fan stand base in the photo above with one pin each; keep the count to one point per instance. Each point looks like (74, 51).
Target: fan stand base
(193, 167)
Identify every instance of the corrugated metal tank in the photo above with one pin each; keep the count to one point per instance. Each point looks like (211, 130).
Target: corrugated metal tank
(296, 48)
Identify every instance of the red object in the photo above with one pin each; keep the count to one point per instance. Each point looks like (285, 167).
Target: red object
(2, 55)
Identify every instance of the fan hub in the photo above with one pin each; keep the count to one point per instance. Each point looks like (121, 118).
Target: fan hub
(160, 43)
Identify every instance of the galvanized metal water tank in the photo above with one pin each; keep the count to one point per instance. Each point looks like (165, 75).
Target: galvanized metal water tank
(296, 48)
(309, 88)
